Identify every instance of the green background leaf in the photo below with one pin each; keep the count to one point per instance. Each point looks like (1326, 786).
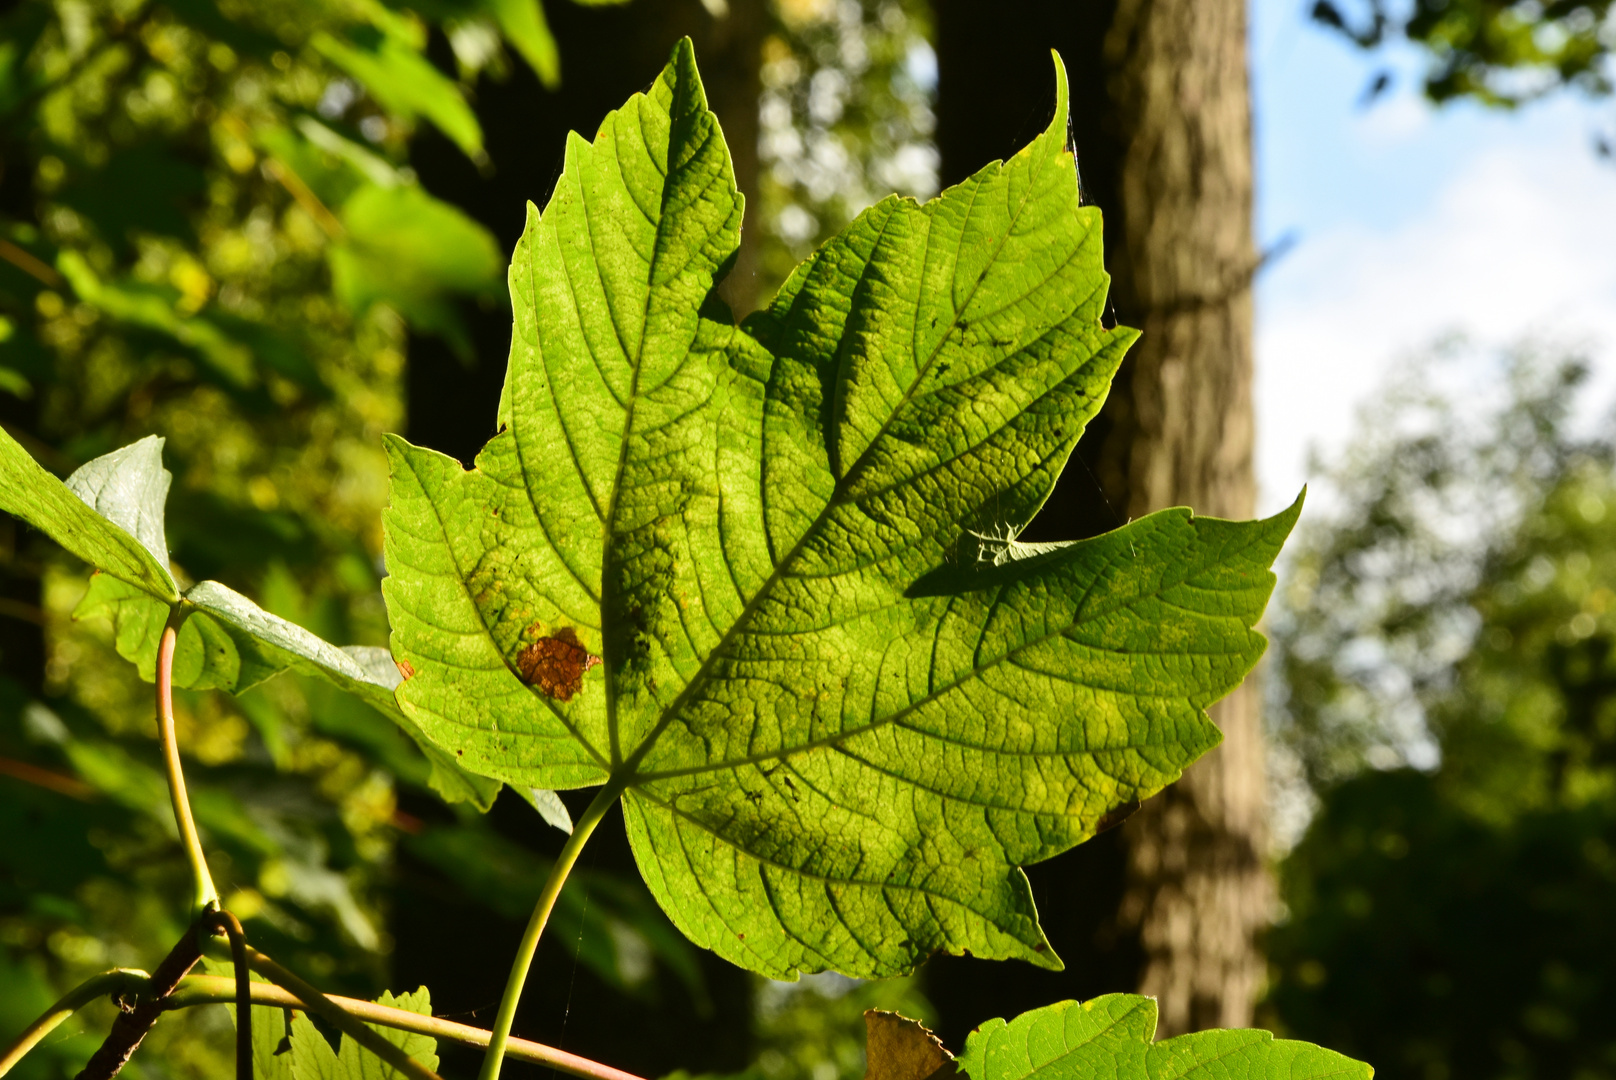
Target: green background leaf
(403, 80)
(34, 495)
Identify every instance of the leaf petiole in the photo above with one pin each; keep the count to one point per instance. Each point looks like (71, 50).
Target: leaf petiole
(206, 895)
(604, 799)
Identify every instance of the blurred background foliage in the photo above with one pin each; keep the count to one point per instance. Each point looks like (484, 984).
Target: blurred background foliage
(211, 228)
(1444, 709)
(271, 230)
(1498, 52)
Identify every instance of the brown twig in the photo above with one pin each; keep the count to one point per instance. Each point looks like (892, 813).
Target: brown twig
(116, 983)
(30, 264)
(48, 779)
(208, 989)
(133, 1024)
(231, 926)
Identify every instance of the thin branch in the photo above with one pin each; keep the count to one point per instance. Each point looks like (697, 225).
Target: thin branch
(132, 1025)
(30, 264)
(223, 920)
(501, 1035)
(316, 1002)
(117, 983)
(211, 989)
(48, 779)
(206, 894)
(288, 178)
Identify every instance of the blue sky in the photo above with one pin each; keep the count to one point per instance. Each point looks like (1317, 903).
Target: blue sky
(1411, 223)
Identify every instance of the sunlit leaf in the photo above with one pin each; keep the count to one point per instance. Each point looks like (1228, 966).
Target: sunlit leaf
(1109, 1038)
(34, 495)
(765, 581)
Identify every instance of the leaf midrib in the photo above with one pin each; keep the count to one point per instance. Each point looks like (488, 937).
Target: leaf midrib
(837, 498)
(608, 588)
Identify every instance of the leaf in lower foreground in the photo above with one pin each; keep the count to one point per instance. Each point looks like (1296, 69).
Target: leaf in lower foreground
(764, 580)
(229, 643)
(1109, 1038)
(313, 1058)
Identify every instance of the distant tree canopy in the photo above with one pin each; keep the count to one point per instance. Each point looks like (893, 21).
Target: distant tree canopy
(1500, 52)
(1456, 611)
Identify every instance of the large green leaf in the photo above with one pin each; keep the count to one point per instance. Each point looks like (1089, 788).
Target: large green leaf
(1109, 1038)
(765, 580)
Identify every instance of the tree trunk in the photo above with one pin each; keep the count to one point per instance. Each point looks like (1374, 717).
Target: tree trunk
(1161, 122)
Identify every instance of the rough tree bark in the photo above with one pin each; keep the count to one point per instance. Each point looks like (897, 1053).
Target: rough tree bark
(1161, 123)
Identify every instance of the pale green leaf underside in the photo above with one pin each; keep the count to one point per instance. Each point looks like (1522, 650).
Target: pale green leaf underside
(843, 708)
(129, 487)
(110, 513)
(34, 495)
(229, 643)
(1109, 1038)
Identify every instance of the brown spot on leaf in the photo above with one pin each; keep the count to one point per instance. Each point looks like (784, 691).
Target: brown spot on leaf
(899, 1048)
(405, 668)
(555, 665)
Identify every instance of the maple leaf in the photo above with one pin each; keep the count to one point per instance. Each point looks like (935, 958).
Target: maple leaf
(841, 703)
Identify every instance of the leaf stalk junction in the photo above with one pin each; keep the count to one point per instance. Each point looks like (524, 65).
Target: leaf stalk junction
(501, 1035)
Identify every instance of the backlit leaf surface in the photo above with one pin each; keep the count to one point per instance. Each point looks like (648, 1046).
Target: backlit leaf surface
(72, 520)
(1109, 1038)
(314, 1059)
(764, 579)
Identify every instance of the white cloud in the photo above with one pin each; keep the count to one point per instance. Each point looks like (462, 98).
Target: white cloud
(1520, 239)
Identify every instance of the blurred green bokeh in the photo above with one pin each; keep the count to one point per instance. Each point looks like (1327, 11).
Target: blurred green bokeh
(211, 229)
